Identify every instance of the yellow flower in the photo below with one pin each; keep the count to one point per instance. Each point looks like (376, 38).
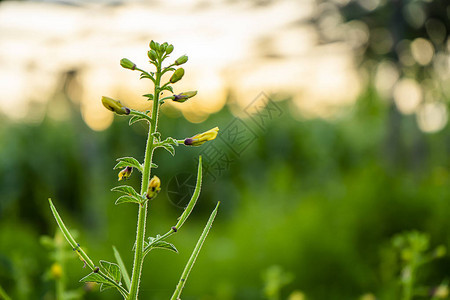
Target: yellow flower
(154, 187)
(201, 138)
(125, 173)
(115, 106)
(56, 270)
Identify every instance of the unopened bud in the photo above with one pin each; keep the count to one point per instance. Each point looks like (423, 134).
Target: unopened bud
(154, 186)
(115, 106)
(201, 138)
(125, 173)
(184, 96)
(169, 49)
(152, 55)
(163, 46)
(181, 60)
(127, 64)
(177, 75)
(154, 45)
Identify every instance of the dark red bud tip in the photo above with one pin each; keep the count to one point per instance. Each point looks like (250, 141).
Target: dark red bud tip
(188, 141)
(127, 111)
(174, 229)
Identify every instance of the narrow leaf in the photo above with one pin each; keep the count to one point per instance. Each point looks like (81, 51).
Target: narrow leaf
(112, 270)
(187, 211)
(69, 237)
(94, 277)
(128, 161)
(61, 225)
(192, 259)
(149, 96)
(127, 199)
(123, 269)
(126, 189)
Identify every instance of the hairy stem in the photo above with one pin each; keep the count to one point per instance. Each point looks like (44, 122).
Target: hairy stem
(142, 215)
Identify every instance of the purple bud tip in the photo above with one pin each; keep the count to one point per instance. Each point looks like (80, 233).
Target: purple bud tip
(174, 229)
(96, 269)
(127, 110)
(188, 141)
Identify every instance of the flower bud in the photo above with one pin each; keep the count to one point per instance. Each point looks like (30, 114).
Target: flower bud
(181, 60)
(153, 45)
(115, 106)
(154, 187)
(169, 49)
(177, 75)
(152, 55)
(184, 96)
(163, 47)
(201, 138)
(125, 173)
(127, 64)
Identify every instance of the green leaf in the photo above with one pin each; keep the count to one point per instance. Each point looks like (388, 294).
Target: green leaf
(127, 199)
(171, 140)
(169, 148)
(123, 269)
(126, 189)
(168, 88)
(149, 96)
(94, 277)
(112, 270)
(136, 118)
(157, 135)
(161, 245)
(128, 161)
(105, 286)
(193, 258)
(187, 211)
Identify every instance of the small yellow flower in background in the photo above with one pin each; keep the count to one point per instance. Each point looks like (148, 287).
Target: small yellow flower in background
(296, 295)
(441, 292)
(125, 173)
(201, 138)
(115, 106)
(56, 270)
(154, 187)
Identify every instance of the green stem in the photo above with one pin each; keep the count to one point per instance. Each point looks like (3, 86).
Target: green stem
(142, 215)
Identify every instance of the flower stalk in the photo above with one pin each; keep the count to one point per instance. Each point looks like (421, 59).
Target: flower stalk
(109, 274)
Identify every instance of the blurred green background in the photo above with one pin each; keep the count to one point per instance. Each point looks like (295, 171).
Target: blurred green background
(309, 206)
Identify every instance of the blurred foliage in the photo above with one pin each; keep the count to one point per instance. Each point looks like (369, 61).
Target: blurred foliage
(309, 210)
(320, 199)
